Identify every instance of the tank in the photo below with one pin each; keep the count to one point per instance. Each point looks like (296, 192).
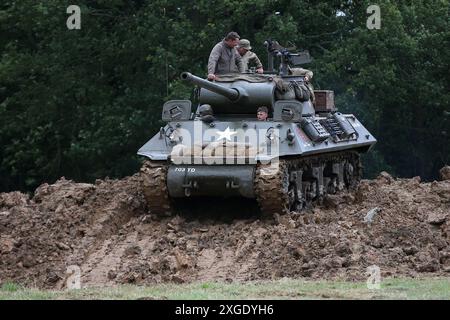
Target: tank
(303, 151)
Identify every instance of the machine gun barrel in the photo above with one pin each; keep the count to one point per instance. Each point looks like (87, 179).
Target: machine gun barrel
(230, 93)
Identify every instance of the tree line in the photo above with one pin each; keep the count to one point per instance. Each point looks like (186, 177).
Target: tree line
(79, 103)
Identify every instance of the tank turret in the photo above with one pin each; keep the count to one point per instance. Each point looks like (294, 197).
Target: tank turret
(235, 93)
(232, 94)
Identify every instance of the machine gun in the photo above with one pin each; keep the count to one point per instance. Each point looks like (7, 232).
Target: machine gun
(286, 56)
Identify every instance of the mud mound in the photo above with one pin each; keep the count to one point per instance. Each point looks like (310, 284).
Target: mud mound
(445, 173)
(401, 225)
(60, 226)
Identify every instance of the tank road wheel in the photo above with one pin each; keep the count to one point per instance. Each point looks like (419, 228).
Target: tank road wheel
(299, 183)
(352, 170)
(272, 188)
(296, 198)
(154, 175)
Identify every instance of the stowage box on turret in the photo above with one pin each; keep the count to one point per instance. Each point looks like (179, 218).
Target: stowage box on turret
(303, 151)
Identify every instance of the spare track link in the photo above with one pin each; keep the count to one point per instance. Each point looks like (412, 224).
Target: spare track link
(154, 176)
(276, 193)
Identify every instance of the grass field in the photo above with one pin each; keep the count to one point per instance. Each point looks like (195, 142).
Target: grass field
(404, 288)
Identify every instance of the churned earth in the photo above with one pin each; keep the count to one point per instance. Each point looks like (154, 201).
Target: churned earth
(400, 225)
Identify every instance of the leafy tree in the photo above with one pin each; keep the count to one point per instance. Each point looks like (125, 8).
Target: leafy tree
(79, 103)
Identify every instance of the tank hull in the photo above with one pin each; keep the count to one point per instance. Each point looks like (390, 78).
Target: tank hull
(198, 133)
(284, 166)
(211, 180)
(304, 151)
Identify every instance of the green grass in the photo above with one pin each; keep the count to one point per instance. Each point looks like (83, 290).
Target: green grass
(403, 288)
(10, 287)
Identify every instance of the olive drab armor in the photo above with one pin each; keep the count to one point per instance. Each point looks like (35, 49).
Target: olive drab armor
(303, 151)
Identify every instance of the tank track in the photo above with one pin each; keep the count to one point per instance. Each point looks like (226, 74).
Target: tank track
(270, 188)
(154, 178)
(284, 186)
(300, 182)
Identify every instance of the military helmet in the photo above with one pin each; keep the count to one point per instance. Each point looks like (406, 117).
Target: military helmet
(244, 43)
(205, 110)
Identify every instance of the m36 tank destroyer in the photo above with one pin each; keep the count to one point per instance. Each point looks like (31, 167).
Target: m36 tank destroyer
(303, 151)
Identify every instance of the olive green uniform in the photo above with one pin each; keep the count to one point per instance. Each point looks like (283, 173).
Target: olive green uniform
(301, 72)
(250, 58)
(224, 59)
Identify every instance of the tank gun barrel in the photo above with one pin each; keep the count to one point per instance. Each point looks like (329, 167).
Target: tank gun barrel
(230, 93)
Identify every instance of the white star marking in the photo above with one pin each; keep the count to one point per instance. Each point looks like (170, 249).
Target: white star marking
(225, 134)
